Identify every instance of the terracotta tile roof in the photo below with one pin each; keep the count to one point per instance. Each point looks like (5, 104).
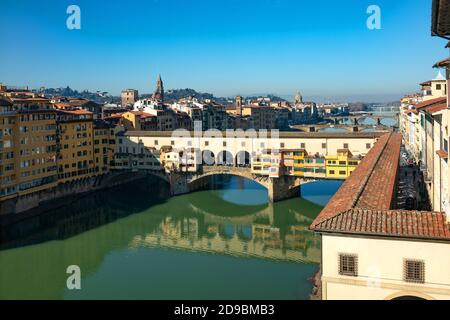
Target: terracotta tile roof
(393, 223)
(282, 134)
(443, 63)
(364, 203)
(147, 115)
(142, 114)
(29, 93)
(436, 107)
(380, 188)
(442, 153)
(76, 111)
(431, 102)
(115, 115)
(63, 105)
(348, 195)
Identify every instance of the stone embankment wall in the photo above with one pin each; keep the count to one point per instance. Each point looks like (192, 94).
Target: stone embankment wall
(316, 281)
(70, 189)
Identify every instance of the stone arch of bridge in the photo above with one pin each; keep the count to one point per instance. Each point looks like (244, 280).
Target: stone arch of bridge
(159, 174)
(260, 181)
(208, 158)
(243, 158)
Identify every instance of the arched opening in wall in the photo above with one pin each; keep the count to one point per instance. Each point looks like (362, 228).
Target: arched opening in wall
(243, 159)
(227, 231)
(369, 121)
(245, 232)
(225, 158)
(237, 196)
(208, 158)
(390, 122)
(408, 298)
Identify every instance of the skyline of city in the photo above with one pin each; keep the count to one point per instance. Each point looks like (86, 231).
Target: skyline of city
(293, 51)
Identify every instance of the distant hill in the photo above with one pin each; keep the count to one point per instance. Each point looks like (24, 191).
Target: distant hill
(182, 93)
(272, 97)
(175, 94)
(99, 97)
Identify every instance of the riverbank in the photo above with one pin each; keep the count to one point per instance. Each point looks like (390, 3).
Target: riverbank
(23, 206)
(316, 293)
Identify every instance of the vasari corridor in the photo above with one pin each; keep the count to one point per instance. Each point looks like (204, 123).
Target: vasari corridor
(222, 159)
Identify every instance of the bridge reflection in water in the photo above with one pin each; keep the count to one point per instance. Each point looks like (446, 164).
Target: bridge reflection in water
(131, 219)
(254, 235)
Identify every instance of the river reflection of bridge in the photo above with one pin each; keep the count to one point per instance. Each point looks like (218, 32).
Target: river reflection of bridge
(257, 234)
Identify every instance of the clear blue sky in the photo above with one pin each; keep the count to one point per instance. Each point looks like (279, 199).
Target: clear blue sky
(226, 47)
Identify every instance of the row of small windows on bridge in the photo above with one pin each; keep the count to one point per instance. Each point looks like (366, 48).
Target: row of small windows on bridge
(263, 145)
(342, 163)
(413, 270)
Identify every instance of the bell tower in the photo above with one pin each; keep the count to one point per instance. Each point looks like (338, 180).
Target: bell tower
(159, 92)
(239, 106)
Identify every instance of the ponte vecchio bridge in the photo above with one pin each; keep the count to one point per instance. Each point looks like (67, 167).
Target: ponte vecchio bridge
(343, 127)
(232, 152)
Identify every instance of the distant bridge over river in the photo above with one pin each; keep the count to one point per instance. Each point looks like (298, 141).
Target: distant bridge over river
(357, 118)
(349, 128)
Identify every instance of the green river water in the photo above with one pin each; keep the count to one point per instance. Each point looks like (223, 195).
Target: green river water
(134, 242)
